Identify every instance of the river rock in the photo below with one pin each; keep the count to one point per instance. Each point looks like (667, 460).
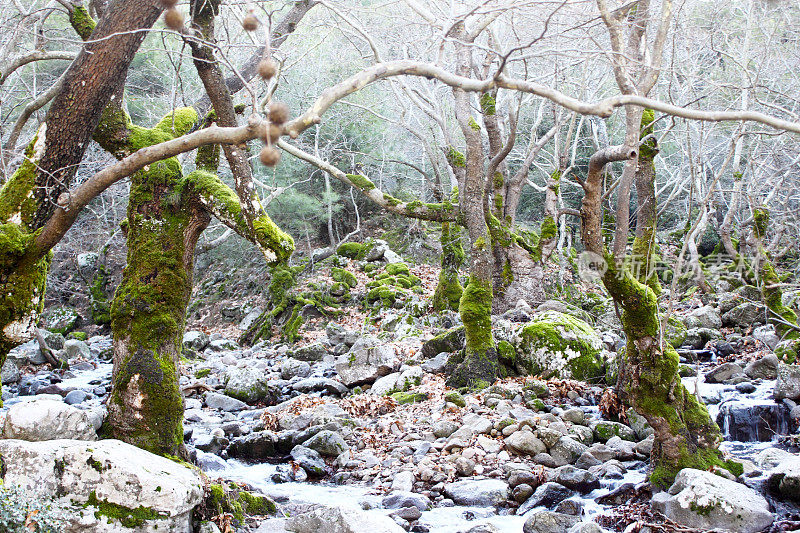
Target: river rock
(311, 353)
(723, 373)
(73, 349)
(327, 443)
(108, 472)
(399, 499)
(764, 368)
(525, 443)
(575, 478)
(766, 334)
(42, 420)
(448, 342)
(704, 317)
(9, 373)
(195, 340)
(549, 522)
(705, 500)
(477, 492)
(60, 319)
(785, 478)
(567, 451)
(294, 368)
(257, 446)
(309, 460)
(342, 520)
(605, 429)
(547, 495)
(787, 384)
(224, 403)
(559, 345)
(744, 315)
(368, 359)
(247, 384)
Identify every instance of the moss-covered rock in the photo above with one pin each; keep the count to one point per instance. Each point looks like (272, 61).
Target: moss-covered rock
(559, 345)
(450, 341)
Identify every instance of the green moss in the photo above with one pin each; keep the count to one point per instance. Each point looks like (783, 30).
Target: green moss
(414, 205)
(81, 22)
(391, 200)
(760, 221)
(203, 372)
(78, 335)
(409, 397)
(256, 504)
(479, 365)
(17, 201)
(455, 158)
(507, 353)
(456, 398)
(126, 516)
(343, 276)
(353, 250)
(396, 269)
(271, 237)
(488, 104)
(474, 125)
(361, 182)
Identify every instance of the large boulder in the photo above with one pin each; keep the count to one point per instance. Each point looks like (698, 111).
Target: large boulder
(785, 478)
(342, 520)
(42, 420)
(112, 486)
(788, 383)
(368, 359)
(558, 345)
(744, 315)
(60, 320)
(248, 384)
(477, 492)
(195, 340)
(764, 368)
(549, 522)
(450, 341)
(705, 500)
(704, 317)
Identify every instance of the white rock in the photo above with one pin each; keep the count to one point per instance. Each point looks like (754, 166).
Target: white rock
(112, 471)
(704, 500)
(42, 420)
(342, 520)
(403, 481)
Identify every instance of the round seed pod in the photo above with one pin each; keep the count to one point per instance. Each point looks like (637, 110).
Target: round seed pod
(272, 132)
(267, 68)
(173, 19)
(278, 113)
(269, 156)
(169, 3)
(250, 23)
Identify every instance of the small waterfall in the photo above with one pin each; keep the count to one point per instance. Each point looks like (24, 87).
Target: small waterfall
(748, 421)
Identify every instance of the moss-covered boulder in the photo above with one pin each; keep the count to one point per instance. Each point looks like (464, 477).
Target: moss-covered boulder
(60, 320)
(559, 345)
(450, 341)
(675, 332)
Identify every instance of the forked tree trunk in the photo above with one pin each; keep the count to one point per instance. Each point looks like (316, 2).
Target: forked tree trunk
(449, 290)
(685, 435)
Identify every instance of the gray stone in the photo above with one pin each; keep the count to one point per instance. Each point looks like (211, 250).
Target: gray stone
(73, 349)
(309, 460)
(477, 492)
(785, 478)
(704, 317)
(787, 384)
(766, 334)
(444, 428)
(723, 372)
(294, 368)
(342, 520)
(525, 443)
(247, 384)
(250, 319)
(436, 364)
(744, 315)
(76, 396)
(107, 470)
(223, 345)
(399, 499)
(195, 340)
(764, 368)
(331, 386)
(327, 443)
(575, 478)
(60, 319)
(368, 359)
(54, 341)
(215, 400)
(704, 500)
(604, 430)
(311, 353)
(547, 495)
(549, 522)
(9, 373)
(567, 451)
(403, 481)
(41, 420)
(585, 527)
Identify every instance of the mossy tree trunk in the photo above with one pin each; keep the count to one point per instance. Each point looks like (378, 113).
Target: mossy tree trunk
(449, 290)
(685, 435)
(783, 318)
(29, 197)
(478, 367)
